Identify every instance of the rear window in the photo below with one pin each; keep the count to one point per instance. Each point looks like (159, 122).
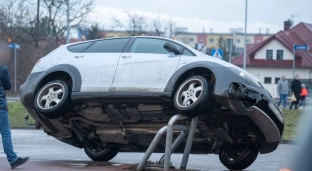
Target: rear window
(77, 48)
(109, 45)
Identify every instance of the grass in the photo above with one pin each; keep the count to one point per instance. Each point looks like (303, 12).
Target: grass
(17, 114)
(291, 122)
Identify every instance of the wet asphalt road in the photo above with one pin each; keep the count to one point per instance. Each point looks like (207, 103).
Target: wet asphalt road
(47, 153)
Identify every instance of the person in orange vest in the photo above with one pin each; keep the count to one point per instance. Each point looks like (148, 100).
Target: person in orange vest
(303, 95)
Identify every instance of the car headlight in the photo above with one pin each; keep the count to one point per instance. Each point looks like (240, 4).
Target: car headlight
(245, 74)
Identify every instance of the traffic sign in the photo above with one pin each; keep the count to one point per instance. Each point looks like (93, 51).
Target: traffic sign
(218, 53)
(14, 46)
(298, 47)
(301, 47)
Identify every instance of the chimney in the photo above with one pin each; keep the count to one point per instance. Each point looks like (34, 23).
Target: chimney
(259, 30)
(267, 31)
(287, 25)
(211, 30)
(203, 29)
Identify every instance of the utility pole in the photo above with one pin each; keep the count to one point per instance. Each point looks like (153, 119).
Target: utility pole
(245, 39)
(37, 24)
(68, 29)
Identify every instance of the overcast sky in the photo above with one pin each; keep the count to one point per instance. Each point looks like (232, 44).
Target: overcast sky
(220, 15)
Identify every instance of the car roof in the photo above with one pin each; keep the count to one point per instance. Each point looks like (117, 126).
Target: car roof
(153, 37)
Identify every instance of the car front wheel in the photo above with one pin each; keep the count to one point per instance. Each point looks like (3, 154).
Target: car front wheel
(239, 157)
(193, 96)
(53, 99)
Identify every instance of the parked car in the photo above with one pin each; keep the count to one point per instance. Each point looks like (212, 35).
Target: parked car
(112, 95)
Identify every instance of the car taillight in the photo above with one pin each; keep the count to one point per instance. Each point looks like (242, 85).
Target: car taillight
(38, 62)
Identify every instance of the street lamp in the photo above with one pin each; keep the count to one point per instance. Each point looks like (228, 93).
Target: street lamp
(245, 40)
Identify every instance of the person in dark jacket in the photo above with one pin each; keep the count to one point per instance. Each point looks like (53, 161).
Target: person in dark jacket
(5, 84)
(296, 89)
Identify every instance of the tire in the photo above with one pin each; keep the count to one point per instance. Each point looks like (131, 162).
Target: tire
(105, 155)
(192, 100)
(53, 99)
(241, 161)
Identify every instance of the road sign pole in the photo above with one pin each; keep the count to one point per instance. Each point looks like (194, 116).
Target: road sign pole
(231, 45)
(294, 62)
(15, 71)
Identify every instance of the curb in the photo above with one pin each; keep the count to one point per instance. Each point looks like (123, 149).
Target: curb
(288, 142)
(23, 127)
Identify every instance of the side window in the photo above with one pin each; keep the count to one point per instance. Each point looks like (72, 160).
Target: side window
(77, 48)
(148, 45)
(187, 52)
(109, 45)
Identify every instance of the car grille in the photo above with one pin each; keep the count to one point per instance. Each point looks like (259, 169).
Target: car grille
(263, 105)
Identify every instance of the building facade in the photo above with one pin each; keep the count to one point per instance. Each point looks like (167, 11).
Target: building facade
(273, 57)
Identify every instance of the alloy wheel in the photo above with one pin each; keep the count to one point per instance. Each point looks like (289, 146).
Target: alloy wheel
(50, 95)
(189, 92)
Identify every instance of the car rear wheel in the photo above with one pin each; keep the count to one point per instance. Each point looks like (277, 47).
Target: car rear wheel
(239, 157)
(99, 154)
(193, 96)
(53, 99)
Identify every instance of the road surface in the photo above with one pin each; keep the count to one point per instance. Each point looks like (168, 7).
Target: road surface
(47, 153)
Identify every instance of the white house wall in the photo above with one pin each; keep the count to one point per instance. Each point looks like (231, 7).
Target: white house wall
(260, 73)
(273, 45)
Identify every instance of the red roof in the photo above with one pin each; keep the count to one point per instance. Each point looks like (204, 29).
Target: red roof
(299, 34)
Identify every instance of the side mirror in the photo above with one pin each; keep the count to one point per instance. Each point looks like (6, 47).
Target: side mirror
(171, 48)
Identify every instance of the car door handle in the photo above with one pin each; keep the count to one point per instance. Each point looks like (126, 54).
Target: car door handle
(78, 57)
(126, 57)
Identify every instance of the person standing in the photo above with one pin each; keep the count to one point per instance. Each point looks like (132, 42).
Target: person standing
(5, 84)
(296, 89)
(303, 95)
(282, 90)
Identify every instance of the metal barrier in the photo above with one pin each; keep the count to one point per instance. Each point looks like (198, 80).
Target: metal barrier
(171, 147)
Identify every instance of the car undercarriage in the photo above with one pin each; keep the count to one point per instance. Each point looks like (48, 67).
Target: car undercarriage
(131, 127)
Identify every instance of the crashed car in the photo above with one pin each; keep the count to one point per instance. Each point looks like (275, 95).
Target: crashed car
(112, 95)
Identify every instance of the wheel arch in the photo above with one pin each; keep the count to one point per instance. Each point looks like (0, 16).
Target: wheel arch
(223, 76)
(187, 71)
(67, 73)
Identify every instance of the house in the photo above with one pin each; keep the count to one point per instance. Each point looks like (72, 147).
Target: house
(273, 57)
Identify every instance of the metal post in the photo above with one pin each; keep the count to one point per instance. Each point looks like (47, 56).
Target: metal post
(151, 148)
(168, 149)
(175, 144)
(15, 70)
(294, 56)
(156, 140)
(189, 142)
(68, 30)
(231, 46)
(244, 65)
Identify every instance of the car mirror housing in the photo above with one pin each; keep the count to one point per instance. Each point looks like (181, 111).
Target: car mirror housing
(171, 48)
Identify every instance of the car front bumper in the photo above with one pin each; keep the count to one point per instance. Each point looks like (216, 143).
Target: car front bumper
(246, 98)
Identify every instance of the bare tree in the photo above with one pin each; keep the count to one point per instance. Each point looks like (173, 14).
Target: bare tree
(56, 10)
(48, 23)
(157, 27)
(136, 24)
(171, 28)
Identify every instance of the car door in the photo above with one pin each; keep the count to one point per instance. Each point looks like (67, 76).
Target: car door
(97, 65)
(147, 67)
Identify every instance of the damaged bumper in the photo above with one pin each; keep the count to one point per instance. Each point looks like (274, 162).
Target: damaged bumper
(256, 103)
